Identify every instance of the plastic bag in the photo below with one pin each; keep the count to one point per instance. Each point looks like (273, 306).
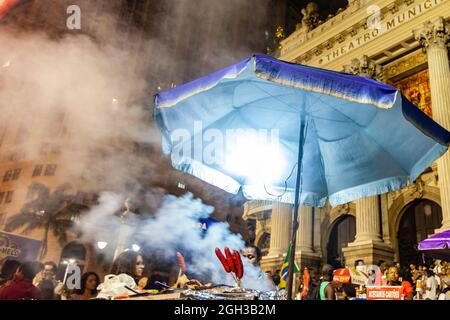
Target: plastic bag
(114, 285)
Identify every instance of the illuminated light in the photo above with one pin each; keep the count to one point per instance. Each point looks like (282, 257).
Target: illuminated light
(114, 100)
(428, 210)
(135, 247)
(102, 244)
(181, 185)
(40, 213)
(72, 261)
(255, 159)
(7, 63)
(6, 6)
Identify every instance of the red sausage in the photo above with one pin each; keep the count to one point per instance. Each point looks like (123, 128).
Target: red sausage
(230, 259)
(181, 262)
(238, 264)
(223, 260)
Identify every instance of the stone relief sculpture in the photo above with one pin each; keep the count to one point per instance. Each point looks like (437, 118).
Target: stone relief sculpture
(365, 67)
(311, 18)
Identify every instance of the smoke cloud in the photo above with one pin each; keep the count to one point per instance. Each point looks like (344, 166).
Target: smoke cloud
(85, 97)
(175, 227)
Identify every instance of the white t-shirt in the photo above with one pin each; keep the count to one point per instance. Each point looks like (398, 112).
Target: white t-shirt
(432, 284)
(438, 280)
(437, 270)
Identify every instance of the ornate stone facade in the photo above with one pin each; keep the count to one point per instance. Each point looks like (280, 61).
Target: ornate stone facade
(389, 53)
(365, 67)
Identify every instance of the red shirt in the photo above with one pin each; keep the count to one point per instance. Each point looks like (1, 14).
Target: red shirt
(20, 289)
(407, 289)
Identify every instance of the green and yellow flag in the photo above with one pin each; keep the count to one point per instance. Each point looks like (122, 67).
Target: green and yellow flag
(284, 270)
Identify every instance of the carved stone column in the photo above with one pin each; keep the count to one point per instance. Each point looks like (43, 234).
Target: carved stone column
(305, 229)
(368, 244)
(280, 236)
(317, 234)
(280, 230)
(368, 219)
(434, 37)
(304, 251)
(385, 219)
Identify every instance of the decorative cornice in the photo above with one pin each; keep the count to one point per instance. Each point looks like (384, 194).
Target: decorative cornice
(365, 67)
(298, 39)
(404, 65)
(434, 34)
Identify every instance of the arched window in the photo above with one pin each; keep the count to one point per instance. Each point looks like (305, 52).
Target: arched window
(72, 252)
(343, 232)
(419, 221)
(264, 244)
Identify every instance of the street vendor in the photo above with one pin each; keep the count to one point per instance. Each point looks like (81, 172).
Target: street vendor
(393, 277)
(254, 255)
(407, 284)
(132, 264)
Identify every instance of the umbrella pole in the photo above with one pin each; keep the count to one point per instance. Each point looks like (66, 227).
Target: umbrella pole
(296, 206)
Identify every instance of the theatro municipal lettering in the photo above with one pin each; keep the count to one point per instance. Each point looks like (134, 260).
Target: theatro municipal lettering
(384, 26)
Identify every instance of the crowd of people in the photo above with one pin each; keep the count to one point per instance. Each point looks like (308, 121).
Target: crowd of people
(37, 281)
(34, 280)
(417, 282)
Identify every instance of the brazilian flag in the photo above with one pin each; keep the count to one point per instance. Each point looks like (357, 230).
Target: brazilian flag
(284, 270)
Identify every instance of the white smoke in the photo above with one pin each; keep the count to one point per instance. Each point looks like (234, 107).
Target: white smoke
(175, 227)
(83, 84)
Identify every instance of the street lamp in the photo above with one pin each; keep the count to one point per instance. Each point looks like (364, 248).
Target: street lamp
(102, 244)
(122, 234)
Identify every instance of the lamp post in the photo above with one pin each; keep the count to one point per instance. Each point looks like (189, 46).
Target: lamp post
(121, 239)
(102, 244)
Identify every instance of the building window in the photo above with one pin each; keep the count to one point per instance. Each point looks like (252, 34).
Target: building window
(9, 196)
(16, 156)
(30, 193)
(11, 175)
(22, 133)
(7, 176)
(16, 174)
(37, 170)
(50, 170)
(55, 123)
(2, 134)
(417, 89)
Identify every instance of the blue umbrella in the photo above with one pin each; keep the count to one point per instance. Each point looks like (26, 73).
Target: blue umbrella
(250, 126)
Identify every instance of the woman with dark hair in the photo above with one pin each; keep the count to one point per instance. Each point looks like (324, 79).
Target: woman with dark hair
(21, 286)
(9, 267)
(132, 264)
(88, 290)
(47, 289)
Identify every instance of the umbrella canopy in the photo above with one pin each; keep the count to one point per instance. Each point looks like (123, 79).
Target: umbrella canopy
(239, 128)
(437, 246)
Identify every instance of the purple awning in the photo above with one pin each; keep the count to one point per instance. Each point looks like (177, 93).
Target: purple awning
(437, 246)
